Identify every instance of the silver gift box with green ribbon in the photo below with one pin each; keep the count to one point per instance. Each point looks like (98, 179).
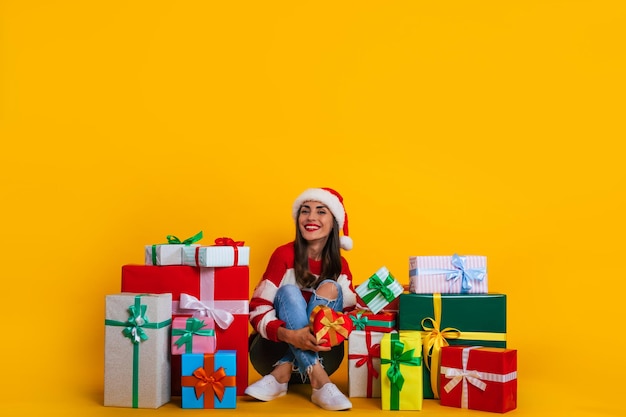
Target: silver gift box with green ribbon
(379, 290)
(136, 352)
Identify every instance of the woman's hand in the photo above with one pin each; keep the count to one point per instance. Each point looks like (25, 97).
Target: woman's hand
(302, 339)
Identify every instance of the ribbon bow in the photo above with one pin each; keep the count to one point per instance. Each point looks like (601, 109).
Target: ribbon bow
(211, 383)
(464, 273)
(193, 327)
(222, 317)
(173, 240)
(399, 357)
(226, 241)
(359, 321)
(136, 321)
(379, 286)
(332, 326)
(457, 375)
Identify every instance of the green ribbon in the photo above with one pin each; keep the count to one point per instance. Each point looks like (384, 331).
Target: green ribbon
(173, 240)
(379, 286)
(398, 357)
(193, 327)
(359, 322)
(133, 329)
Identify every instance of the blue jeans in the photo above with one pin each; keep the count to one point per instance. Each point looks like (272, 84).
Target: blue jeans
(292, 308)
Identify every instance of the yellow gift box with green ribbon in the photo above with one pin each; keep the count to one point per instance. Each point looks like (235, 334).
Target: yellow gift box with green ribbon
(452, 319)
(401, 371)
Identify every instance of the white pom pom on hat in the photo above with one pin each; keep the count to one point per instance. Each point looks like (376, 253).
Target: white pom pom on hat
(334, 201)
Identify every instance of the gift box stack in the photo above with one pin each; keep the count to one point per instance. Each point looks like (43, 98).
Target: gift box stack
(383, 361)
(208, 290)
(463, 333)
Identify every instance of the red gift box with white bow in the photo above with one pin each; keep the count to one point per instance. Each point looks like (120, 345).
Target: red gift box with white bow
(478, 378)
(220, 293)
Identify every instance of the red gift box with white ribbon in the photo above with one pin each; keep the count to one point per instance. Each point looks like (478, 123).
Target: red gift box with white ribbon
(478, 378)
(219, 293)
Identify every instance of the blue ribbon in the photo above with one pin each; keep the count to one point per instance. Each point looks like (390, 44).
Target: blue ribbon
(466, 274)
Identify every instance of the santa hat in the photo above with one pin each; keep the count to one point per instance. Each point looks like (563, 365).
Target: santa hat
(331, 199)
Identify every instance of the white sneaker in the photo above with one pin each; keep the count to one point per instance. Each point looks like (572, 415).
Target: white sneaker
(267, 388)
(330, 398)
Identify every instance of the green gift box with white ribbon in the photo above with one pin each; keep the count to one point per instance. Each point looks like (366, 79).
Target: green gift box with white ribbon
(136, 352)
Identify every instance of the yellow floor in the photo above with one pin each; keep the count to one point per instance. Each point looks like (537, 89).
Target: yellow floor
(535, 398)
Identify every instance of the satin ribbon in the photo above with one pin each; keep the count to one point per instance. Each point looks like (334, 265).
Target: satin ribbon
(133, 329)
(378, 286)
(226, 241)
(373, 351)
(222, 317)
(209, 382)
(331, 326)
(433, 339)
(397, 358)
(193, 327)
(460, 271)
(361, 321)
(173, 240)
(458, 375)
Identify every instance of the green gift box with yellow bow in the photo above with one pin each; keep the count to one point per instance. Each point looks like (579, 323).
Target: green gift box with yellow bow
(452, 319)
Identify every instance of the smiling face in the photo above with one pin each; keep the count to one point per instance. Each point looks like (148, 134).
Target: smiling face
(315, 221)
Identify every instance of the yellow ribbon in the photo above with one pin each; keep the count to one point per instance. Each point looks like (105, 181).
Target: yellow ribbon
(433, 339)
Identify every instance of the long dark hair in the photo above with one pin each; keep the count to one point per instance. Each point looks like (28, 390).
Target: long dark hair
(331, 259)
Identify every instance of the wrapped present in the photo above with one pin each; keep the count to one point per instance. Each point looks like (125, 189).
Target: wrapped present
(208, 380)
(364, 364)
(448, 274)
(219, 293)
(332, 326)
(401, 370)
(225, 252)
(479, 378)
(136, 350)
(379, 290)
(384, 321)
(193, 335)
(170, 253)
(452, 319)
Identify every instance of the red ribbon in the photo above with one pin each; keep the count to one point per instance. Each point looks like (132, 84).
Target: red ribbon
(226, 241)
(208, 382)
(362, 359)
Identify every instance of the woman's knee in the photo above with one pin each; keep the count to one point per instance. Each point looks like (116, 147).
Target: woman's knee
(328, 289)
(287, 291)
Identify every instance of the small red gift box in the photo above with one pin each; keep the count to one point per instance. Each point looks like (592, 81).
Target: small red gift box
(479, 378)
(384, 321)
(332, 326)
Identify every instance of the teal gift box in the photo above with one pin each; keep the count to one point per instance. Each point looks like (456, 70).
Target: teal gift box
(452, 319)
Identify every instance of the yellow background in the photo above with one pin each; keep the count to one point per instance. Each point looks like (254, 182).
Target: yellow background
(483, 127)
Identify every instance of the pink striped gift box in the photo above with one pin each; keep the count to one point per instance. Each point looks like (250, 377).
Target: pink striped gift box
(448, 274)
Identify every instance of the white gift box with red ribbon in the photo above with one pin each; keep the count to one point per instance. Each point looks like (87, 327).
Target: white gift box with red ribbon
(226, 252)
